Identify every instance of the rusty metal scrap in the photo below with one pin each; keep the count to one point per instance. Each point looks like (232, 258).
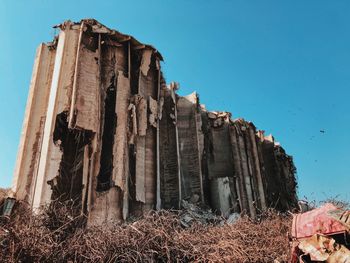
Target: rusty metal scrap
(341, 216)
(317, 221)
(323, 248)
(103, 129)
(321, 235)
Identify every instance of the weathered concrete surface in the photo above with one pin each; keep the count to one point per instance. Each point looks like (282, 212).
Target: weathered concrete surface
(33, 123)
(104, 132)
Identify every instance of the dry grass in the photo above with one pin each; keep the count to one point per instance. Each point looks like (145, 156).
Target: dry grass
(158, 237)
(54, 236)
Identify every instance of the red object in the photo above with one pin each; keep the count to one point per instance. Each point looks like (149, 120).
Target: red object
(316, 221)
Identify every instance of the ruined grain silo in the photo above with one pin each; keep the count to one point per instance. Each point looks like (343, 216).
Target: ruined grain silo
(103, 130)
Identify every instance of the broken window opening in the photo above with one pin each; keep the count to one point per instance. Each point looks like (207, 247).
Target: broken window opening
(104, 178)
(67, 186)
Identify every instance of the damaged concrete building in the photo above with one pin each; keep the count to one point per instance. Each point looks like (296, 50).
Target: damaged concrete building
(103, 130)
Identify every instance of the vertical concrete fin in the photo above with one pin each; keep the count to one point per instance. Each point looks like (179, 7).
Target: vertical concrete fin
(245, 170)
(173, 87)
(85, 110)
(140, 169)
(251, 166)
(160, 106)
(120, 167)
(59, 101)
(191, 177)
(141, 109)
(147, 115)
(168, 157)
(200, 145)
(142, 127)
(146, 61)
(85, 177)
(239, 177)
(33, 124)
(258, 174)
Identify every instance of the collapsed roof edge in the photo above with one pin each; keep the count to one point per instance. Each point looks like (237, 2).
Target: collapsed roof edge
(98, 27)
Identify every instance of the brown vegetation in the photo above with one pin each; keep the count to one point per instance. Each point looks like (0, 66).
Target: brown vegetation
(53, 236)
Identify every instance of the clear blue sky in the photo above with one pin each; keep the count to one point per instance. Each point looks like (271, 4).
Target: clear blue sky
(285, 65)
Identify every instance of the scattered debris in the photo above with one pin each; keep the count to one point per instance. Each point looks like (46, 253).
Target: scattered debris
(303, 206)
(233, 218)
(8, 206)
(191, 213)
(323, 248)
(341, 216)
(321, 234)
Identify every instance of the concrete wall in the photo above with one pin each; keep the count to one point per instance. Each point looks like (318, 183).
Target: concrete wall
(104, 133)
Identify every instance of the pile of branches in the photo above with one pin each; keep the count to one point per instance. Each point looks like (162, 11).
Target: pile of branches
(54, 236)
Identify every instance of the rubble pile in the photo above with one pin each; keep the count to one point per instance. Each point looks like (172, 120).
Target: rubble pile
(103, 130)
(321, 235)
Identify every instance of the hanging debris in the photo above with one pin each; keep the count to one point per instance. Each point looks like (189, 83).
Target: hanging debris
(102, 130)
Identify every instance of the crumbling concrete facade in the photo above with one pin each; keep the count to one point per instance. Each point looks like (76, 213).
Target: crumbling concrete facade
(103, 130)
